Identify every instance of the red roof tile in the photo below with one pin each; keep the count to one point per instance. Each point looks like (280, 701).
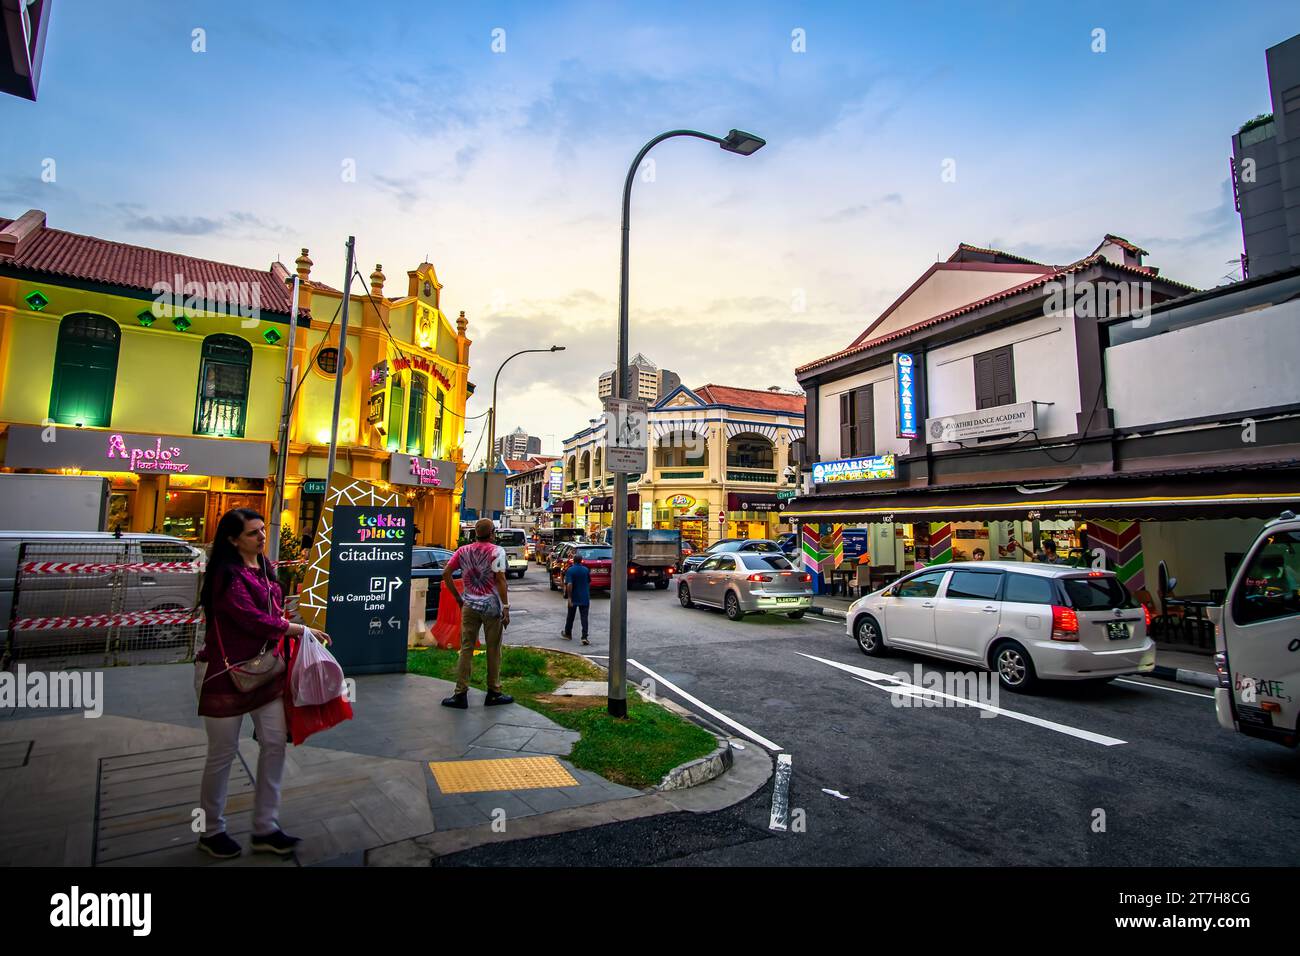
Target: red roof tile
(54, 252)
(967, 247)
(751, 398)
(988, 300)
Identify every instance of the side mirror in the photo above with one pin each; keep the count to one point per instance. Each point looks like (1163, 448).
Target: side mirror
(887, 592)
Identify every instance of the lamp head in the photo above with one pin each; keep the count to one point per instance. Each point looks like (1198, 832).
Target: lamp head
(557, 348)
(746, 144)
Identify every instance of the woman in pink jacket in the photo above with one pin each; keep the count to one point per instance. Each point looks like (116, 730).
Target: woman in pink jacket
(244, 611)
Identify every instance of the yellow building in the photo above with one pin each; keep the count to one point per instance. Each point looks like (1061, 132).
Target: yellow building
(164, 373)
(718, 457)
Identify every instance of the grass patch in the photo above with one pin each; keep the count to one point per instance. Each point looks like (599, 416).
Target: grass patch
(635, 752)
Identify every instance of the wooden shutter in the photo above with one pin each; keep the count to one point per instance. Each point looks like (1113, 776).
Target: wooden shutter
(864, 422)
(846, 425)
(995, 378)
(985, 383)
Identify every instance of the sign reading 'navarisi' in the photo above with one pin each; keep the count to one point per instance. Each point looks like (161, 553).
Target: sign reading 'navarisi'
(854, 469)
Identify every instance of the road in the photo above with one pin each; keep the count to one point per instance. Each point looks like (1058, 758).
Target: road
(1134, 773)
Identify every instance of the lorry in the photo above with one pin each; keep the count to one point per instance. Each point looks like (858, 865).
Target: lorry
(53, 502)
(652, 554)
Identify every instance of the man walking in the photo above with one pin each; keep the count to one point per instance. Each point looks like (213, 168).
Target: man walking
(485, 603)
(577, 588)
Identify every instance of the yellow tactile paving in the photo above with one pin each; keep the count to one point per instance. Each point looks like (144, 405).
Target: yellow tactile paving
(507, 773)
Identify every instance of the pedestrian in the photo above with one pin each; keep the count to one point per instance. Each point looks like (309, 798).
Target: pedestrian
(485, 604)
(577, 588)
(979, 554)
(243, 609)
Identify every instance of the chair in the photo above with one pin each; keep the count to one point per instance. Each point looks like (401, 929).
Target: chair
(881, 575)
(862, 580)
(1172, 611)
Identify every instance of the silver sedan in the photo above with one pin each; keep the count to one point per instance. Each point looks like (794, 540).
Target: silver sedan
(747, 583)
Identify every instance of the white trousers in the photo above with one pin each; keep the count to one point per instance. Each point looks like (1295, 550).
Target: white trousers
(223, 746)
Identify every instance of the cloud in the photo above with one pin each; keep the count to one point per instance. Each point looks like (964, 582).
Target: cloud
(28, 192)
(864, 209)
(234, 225)
(405, 189)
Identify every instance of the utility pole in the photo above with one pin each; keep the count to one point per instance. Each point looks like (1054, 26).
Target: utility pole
(338, 369)
(286, 409)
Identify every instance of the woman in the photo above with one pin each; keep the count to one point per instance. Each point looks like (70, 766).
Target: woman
(244, 611)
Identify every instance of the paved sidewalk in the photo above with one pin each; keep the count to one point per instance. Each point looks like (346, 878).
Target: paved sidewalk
(120, 790)
(1183, 666)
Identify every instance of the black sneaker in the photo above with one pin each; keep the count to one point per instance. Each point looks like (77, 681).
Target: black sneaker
(496, 697)
(277, 842)
(567, 637)
(585, 641)
(459, 701)
(221, 846)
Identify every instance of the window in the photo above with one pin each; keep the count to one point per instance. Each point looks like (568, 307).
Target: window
(974, 585)
(396, 407)
(924, 585)
(415, 419)
(222, 404)
(327, 360)
(1268, 589)
(1104, 593)
(748, 451)
(436, 450)
(857, 425)
(85, 371)
(724, 563)
(995, 378)
(766, 562)
(1028, 589)
(766, 547)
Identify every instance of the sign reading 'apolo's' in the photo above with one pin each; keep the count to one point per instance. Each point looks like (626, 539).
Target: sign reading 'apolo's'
(144, 458)
(424, 472)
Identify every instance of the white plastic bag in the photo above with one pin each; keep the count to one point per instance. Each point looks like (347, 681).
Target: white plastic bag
(317, 677)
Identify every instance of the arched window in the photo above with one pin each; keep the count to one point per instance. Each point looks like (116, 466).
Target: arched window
(222, 405)
(85, 371)
(415, 417)
(396, 406)
(584, 466)
(749, 451)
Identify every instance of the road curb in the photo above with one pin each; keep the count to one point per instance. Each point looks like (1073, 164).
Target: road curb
(1183, 676)
(829, 612)
(698, 771)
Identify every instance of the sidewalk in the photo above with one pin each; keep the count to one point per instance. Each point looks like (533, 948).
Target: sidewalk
(1183, 666)
(120, 790)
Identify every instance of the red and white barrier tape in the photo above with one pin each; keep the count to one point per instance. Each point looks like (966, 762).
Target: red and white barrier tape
(71, 567)
(131, 619)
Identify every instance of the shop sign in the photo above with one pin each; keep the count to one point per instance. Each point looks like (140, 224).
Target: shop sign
(379, 374)
(681, 501)
(740, 501)
(314, 486)
(1000, 420)
(376, 408)
(905, 388)
(854, 469)
(422, 365)
(31, 446)
(557, 480)
(425, 472)
(146, 458)
(786, 494)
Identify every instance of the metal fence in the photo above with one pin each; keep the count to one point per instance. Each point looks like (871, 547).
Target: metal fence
(104, 604)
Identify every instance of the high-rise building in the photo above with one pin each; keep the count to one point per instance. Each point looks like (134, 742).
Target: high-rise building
(1266, 169)
(518, 444)
(650, 382)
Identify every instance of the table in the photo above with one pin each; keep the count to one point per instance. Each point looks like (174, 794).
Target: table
(1194, 607)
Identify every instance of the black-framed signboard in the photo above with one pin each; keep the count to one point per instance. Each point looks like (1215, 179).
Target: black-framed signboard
(368, 611)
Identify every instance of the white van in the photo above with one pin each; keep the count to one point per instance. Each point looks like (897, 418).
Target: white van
(515, 542)
(1258, 638)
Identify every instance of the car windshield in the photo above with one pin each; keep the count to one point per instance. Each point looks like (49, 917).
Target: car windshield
(1102, 593)
(510, 538)
(766, 562)
(595, 554)
(764, 547)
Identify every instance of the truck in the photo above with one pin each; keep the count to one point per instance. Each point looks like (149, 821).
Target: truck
(53, 502)
(652, 554)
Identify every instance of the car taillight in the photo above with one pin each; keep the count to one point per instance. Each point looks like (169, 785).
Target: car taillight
(807, 578)
(759, 577)
(1065, 624)
(631, 570)
(1221, 669)
(1146, 616)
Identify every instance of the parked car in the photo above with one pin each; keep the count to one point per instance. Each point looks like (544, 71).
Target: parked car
(83, 594)
(1028, 622)
(728, 545)
(428, 564)
(747, 582)
(1258, 640)
(597, 558)
(788, 542)
(514, 541)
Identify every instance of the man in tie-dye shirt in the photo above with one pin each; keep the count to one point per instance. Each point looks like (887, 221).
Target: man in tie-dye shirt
(485, 604)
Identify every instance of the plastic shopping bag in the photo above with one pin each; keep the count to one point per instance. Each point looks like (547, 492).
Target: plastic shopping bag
(316, 677)
(303, 721)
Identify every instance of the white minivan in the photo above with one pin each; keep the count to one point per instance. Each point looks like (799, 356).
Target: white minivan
(1258, 638)
(1025, 621)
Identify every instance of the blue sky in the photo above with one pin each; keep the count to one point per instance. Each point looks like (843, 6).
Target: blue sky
(506, 168)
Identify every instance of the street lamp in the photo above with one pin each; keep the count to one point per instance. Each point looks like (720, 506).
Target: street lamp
(743, 144)
(492, 412)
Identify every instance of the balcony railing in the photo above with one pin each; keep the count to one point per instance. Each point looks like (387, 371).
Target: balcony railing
(681, 474)
(221, 416)
(759, 477)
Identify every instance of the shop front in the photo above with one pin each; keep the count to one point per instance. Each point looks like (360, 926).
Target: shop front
(600, 513)
(429, 485)
(752, 515)
(168, 484)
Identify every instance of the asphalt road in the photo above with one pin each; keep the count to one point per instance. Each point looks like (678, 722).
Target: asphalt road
(928, 785)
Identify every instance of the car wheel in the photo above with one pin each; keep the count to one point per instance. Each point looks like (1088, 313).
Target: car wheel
(867, 633)
(684, 595)
(1015, 667)
(732, 605)
(795, 614)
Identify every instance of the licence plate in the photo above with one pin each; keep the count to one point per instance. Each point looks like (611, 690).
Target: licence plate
(1117, 631)
(786, 600)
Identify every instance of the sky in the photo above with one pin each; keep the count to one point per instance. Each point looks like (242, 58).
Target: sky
(494, 139)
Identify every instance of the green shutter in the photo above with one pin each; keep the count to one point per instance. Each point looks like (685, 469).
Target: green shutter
(415, 420)
(85, 371)
(396, 405)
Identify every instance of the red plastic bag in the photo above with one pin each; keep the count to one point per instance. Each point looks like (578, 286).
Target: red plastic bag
(446, 629)
(305, 721)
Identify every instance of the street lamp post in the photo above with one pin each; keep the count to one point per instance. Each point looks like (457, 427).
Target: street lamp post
(745, 144)
(492, 414)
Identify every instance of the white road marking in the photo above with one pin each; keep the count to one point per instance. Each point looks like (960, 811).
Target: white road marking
(744, 731)
(780, 819)
(836, 793)
(895, 686)
(1172, 690)
(824, 620)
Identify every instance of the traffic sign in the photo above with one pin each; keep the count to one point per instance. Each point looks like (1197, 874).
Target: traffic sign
(627, 431)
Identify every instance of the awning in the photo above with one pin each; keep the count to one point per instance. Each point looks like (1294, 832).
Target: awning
(1258, 494)
(566, 506)
(746, 501)
(606, 504)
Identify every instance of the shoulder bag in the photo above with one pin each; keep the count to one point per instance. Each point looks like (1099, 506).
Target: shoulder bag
(258, 670)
